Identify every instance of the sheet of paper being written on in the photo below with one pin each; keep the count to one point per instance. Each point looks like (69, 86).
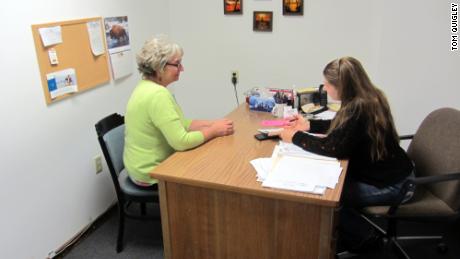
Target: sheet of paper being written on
(290, 149)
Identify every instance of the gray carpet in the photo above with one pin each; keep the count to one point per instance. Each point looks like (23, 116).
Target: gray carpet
(143, 240)
(422, 249)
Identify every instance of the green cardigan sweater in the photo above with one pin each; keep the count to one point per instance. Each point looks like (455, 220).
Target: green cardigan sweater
(155, 128)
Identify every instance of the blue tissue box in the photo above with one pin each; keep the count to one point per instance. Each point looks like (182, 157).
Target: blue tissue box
(264, 104)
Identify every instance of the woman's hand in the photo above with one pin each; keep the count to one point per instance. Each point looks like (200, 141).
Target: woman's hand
(218, 128)
(222, 127)
(286, 134)
(298, 123)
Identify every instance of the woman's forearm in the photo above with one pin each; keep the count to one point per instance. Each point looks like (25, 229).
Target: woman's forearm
(199, 124)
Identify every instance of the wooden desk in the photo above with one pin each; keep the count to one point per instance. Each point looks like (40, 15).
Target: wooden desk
(213, 207)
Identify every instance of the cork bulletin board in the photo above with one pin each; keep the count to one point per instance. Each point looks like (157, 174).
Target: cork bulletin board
(73, 53)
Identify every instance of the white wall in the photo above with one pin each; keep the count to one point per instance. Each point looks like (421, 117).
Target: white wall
(404, 45)
(293, 54)
(49, 190)
(415, 67)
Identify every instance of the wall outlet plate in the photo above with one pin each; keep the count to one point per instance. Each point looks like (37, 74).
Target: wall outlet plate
(98, 163)
(234, 72)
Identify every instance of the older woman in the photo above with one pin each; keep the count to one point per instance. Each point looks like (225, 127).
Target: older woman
(155, 124)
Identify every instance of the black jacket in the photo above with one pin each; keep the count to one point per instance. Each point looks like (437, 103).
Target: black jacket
(352, 142)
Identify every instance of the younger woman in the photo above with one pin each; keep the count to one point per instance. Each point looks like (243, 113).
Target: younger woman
(363, 132)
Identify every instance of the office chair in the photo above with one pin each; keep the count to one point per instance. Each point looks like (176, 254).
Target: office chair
(435, 151)
(111, 133)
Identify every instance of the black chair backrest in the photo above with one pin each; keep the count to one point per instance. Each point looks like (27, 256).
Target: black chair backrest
(110, 133)
(435, 150)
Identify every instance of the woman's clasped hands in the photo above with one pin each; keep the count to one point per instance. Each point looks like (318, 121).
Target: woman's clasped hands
(222, 127)
(295, 123)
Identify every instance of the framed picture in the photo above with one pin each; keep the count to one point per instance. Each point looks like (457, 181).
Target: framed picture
(233, 6)
(292, 7)
(263, 21)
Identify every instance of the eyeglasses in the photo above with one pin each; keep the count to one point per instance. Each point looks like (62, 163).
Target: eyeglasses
(178, 65)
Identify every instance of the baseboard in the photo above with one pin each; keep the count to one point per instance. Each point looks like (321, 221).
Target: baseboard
(67, 246)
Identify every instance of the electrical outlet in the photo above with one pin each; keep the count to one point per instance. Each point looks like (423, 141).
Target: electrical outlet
(234, 74)
(51, 254)
(98, 163)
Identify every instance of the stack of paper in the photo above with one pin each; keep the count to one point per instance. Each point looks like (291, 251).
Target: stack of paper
(289, 149)
(293, 168)
(326, 115)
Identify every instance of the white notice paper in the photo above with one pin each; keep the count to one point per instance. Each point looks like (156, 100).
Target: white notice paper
(62, 82)
(122, 64)
(95, 37)
(52, 54)
(50, 35)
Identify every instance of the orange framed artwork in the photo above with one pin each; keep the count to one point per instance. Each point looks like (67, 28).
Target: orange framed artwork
(233, 6)
(263, 21)
(292, 7)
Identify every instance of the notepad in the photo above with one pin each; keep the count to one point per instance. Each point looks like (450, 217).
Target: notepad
(269, 130)
(272, 123)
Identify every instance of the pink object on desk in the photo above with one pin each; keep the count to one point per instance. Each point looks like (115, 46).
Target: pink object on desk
(274, 122)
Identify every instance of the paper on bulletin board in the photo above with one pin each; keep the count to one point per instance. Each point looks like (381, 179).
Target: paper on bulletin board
(50, 35)
(95, 37)
(122, 64)
(62, 82)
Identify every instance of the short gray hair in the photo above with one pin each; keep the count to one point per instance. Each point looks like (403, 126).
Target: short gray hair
(154, 55)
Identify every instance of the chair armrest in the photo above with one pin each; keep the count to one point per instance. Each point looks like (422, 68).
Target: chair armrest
(404, 137)
(410, 185)
(436, 178)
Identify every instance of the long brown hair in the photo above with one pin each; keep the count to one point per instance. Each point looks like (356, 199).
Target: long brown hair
(360, 97)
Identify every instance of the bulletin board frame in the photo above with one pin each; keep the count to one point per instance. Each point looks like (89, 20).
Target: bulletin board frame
(74, 52)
